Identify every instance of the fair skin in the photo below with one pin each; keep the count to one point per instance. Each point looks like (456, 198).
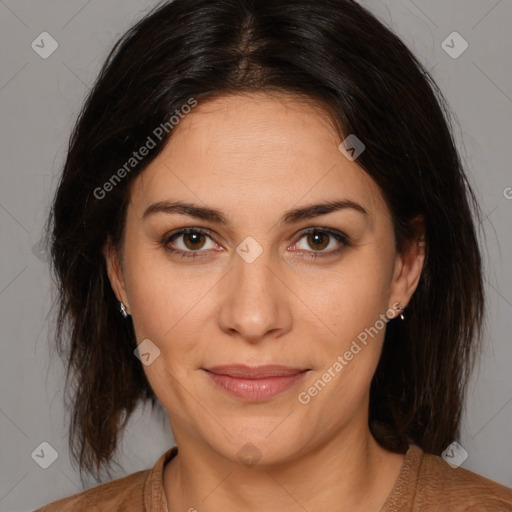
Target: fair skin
(254, 157)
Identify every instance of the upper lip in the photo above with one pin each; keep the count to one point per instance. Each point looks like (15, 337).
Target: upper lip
(255, 372)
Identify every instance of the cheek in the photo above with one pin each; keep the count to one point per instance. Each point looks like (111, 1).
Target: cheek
(151, 304)
(170, 310)
(348, 304)
(350, 353)
(351, 297)
(163, 301)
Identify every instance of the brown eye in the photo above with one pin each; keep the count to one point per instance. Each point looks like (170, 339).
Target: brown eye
(318, 240)
(321, 242)
(194, 240)
(189, 242)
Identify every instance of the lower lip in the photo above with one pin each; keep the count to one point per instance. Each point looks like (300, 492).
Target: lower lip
(256, 390)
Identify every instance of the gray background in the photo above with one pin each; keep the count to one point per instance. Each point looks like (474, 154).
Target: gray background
(39, 101)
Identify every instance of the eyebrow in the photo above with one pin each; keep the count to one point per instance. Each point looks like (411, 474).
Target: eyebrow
(217, 217)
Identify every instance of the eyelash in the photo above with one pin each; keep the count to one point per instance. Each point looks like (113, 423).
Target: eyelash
(339, 236)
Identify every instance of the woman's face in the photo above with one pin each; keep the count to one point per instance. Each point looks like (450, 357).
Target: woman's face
(249, 291)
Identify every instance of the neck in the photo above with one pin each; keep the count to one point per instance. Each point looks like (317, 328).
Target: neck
(349, 471)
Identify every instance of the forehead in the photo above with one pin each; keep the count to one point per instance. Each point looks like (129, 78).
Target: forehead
(255, 149)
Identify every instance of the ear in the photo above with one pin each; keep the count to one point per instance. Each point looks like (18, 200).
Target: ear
(409, 264)
(115, 272)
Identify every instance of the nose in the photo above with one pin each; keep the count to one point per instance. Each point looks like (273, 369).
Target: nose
(255, 303)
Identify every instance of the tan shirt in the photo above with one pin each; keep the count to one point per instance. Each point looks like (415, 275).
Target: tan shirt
(426, 483)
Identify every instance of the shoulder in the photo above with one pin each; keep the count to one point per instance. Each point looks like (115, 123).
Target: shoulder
(138, 491)
(458, 489)
(123, 494)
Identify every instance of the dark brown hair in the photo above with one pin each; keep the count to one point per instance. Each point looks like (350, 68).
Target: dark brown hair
(337, 54)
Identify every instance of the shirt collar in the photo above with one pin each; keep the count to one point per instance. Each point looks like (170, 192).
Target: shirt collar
(155, 501)
(154, 497)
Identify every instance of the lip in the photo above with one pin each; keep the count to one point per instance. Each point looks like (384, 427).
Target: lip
(255, 384)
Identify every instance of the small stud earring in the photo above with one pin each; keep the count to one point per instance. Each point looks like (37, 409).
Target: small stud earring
(122, 308)
(402, 309)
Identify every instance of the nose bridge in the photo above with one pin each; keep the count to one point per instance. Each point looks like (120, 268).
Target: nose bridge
(254, 303)
(253, 267)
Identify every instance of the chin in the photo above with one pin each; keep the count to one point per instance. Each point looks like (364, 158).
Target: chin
(260, 442)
